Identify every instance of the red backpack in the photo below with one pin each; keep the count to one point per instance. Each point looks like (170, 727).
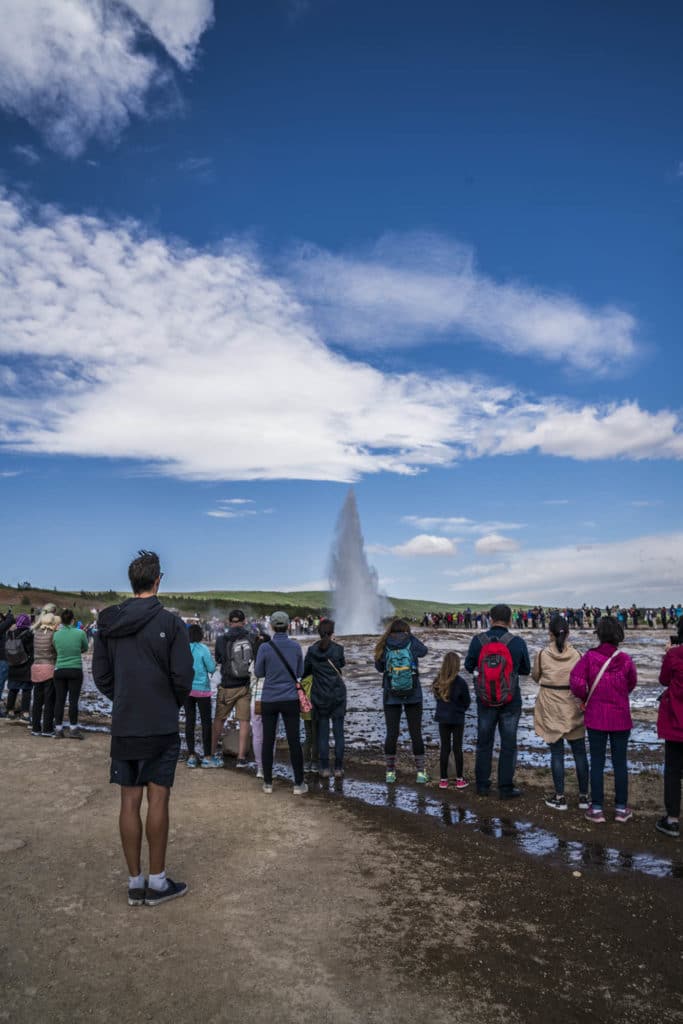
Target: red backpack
(496, 678)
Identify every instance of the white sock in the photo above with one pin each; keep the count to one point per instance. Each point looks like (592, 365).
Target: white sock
(158, 882)
(137, 882)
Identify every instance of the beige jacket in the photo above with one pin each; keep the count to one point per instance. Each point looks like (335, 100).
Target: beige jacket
(557, 713)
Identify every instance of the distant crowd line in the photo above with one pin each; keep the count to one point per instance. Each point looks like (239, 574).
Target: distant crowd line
(150, 664)
(538, 617)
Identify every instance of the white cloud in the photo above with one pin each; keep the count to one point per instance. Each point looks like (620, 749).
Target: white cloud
(203, 365)
(556, 501)
(76, 69)
(236, 501)
(409, 289)
(455, 525)
(29, 154)
(648, 569)
(494, 543)
(421, 545)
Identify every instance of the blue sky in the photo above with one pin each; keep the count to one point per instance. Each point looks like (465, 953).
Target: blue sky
(253, 253)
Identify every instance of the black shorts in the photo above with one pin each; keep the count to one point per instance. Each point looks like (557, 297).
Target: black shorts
(160, 769)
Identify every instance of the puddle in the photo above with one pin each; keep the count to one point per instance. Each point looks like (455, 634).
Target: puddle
(532, 840)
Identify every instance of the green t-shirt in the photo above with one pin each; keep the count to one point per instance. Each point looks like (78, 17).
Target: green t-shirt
(70, 643)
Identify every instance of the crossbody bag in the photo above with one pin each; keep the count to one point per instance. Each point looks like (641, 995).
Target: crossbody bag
(305, 705)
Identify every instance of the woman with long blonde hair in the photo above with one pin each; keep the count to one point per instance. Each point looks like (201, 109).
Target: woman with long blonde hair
(396, 656)
(452, 701)
(43, 671)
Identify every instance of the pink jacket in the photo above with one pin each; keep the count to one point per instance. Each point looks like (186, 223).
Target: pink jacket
(608, 709)
(670, 717)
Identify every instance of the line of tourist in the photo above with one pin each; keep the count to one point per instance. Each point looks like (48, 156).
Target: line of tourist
(149, 665)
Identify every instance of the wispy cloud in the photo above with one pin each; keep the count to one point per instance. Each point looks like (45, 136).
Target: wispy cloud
(199, 167)
(81, 70)
(494, 543)
(29, 154)
(234, 508)
(459, 525)
(556, 501)
(188, 318)
(647, 569)
(413, 289)
(419, 546)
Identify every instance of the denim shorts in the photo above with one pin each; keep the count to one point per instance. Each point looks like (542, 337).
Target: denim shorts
(160, 770)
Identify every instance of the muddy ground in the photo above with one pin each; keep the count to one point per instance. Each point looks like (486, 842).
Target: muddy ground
(348, 905)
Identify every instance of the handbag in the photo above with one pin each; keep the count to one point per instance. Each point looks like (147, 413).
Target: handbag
(305, 705)
(598, 678)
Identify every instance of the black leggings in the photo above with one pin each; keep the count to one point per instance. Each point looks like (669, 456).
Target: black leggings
(451, 735)
(392, 715)
(43, 706)
(673, 766)
(289, 709)
(67, 680)
(204, 705)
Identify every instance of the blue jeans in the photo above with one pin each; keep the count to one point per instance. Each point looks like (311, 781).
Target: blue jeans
(557, 764)
(324, 741)
(4, 672)
(618, 743)
(507, 720)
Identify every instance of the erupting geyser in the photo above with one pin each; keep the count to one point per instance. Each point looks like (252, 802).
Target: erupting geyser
(358, 605)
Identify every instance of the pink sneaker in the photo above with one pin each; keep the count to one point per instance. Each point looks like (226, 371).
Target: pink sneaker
(623, 814)
(443, 783)
(461, 783)
(594, 814)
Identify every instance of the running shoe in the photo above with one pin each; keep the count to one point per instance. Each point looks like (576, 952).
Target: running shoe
(595, 814)
(443, 783)
(308, 768)
(557, 803)
(300, 790)
(390, 777)
(623, 814)
(241, 762)
(315, 767)
(267, 787)
(584, 802)
(461, 783)
(422, 778)
(59, 734)
(75, 733)
(136, 897)
(259, 772)
(25, 717)
(192, 761)
(212, 762)
(668, 828)
(153, 897)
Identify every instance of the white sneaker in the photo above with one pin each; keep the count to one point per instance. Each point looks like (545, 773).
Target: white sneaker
(259, 773)
(300, 790)
(267, 788)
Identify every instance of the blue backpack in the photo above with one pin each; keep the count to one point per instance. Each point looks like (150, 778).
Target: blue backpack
(399, 668)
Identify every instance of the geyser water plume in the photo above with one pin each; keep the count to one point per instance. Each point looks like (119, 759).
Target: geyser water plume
(358, 605)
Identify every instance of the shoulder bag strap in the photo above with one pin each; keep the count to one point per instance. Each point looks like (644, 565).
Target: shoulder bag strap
(599, 677)
(284, 661)
(332, 665)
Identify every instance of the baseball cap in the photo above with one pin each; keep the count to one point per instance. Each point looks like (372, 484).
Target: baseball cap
(279, 619)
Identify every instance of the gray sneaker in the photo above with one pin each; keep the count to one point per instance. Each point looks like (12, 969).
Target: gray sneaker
(75, 733)
(300, 790)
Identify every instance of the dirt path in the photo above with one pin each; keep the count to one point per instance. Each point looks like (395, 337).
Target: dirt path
(324, 908)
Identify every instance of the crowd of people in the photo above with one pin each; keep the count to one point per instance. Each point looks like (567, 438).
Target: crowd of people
(538, 617)
(150, 665)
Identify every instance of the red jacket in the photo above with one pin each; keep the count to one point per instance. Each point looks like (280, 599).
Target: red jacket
(670, 718)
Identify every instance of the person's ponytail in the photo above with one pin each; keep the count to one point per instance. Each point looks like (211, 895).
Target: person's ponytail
(325, 632)
(559, 629)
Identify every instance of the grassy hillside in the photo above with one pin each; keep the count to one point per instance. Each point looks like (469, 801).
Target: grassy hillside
(206, 602)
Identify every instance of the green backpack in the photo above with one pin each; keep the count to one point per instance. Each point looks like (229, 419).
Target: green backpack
(400, 670)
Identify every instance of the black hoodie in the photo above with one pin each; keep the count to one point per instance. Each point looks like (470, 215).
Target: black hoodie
(142, 662)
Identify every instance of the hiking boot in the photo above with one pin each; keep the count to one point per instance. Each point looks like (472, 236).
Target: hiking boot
(668, 828)
(461, 783)
(443, 783)
(136, 897)
(584, 802)
(267, 787)
(390, 777)
(192, 761)
(623, 814)
(595, 814)
(212, 762)
(558, 803)
(300, 789)
(153, 897)
(241, 762)
(75, 733)
(422, 778)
